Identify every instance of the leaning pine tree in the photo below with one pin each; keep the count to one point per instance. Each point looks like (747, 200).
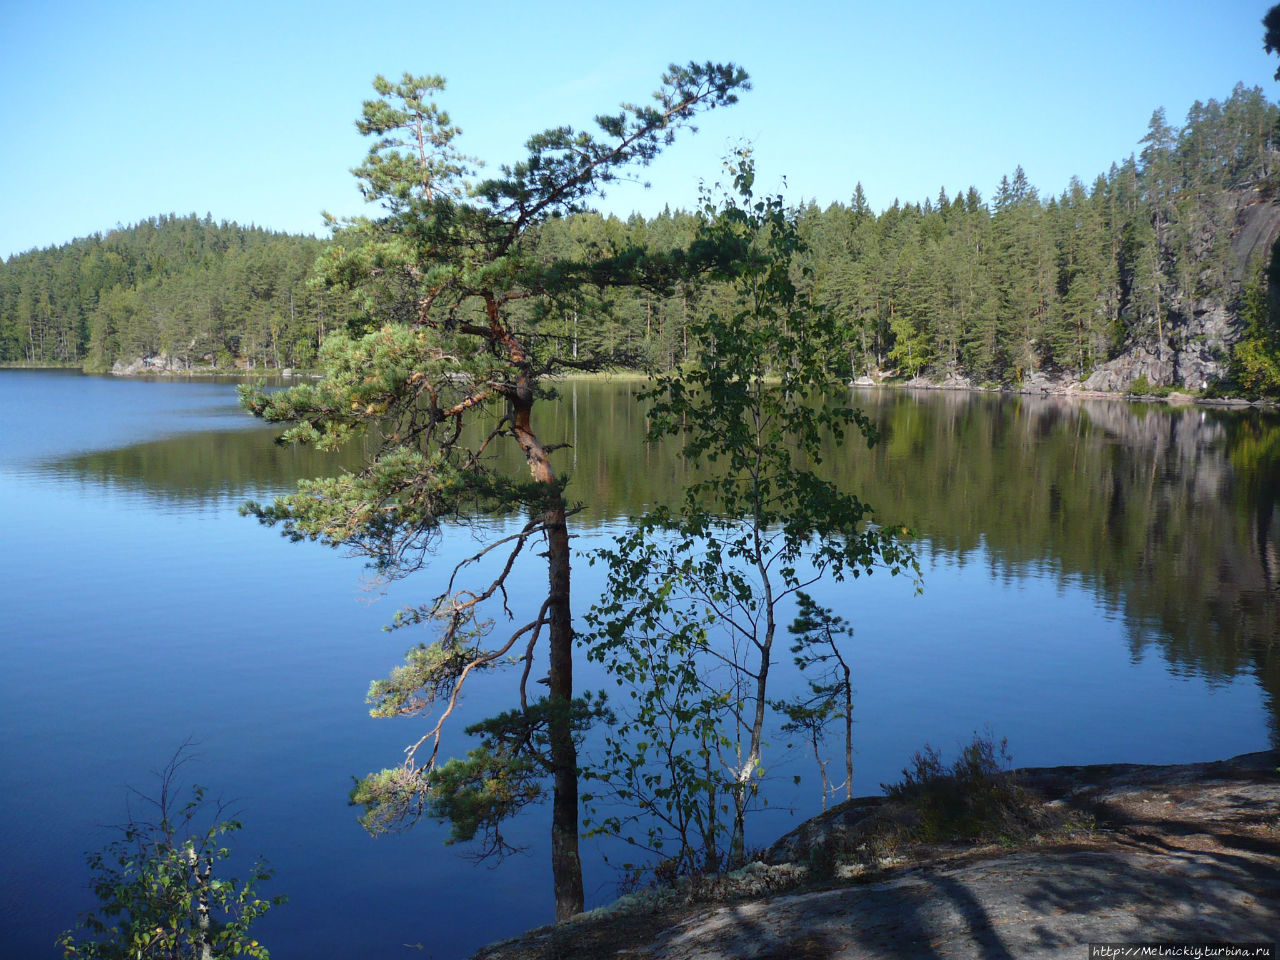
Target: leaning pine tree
(442, 365)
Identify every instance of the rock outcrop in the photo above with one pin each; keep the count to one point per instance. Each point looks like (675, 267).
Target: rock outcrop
(1193, 343)
(160, 363)
(1170, 855)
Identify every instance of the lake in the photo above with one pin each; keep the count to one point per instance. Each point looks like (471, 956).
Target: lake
(1101, 584)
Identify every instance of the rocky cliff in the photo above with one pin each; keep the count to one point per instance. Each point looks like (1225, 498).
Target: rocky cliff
(1191, 347)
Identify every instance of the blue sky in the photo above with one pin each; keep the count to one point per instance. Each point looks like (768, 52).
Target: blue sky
(111, 112)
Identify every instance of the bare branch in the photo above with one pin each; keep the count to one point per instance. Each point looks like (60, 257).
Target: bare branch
(528, 653)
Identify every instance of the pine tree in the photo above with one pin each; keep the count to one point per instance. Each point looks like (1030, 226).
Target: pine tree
(450, 290)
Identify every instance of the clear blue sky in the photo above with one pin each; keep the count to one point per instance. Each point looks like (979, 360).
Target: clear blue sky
(112, 112)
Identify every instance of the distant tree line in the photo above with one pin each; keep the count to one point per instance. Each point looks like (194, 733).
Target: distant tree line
(995, 291)
(189, 288)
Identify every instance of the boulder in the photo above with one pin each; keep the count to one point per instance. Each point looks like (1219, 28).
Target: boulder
(1156, 362)
(133, 368)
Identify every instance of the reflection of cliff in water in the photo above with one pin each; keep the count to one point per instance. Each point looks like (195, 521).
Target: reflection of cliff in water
(1204, 503)
(1171, 515)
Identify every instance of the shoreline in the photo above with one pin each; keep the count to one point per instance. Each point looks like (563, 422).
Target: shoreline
(1072, 390)
(1038, 388)
(1144, 853)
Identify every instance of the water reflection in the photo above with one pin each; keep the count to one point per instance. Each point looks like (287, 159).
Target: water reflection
(192, 469)
(1170, 516)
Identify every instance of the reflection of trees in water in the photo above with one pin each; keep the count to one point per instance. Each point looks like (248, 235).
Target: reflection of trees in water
(600, 422)
(194, 469)
(1171, 516)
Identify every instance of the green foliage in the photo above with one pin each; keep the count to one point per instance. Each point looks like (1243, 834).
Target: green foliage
(1141, 387)
(199, 292)
(414, 149)
(993, 291)
(452, 290)
(1271, 37)
(693, 592)
(159, 892)
(911, 351)
(1257, 368)
(429, 673)
(475, 793)
(977, 798)
(482, 791)
(661, 776)
(1255, 362)
(478, 793)
(758, 405)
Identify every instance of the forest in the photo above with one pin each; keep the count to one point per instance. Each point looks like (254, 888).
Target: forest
(1147, 260)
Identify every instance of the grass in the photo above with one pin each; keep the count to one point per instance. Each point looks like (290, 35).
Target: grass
(37, 365)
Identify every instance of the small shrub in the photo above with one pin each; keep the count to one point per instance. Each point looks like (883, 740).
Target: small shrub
(667, 871)
(977, 798)
(160, 894)
(824, 858)
(1142, 387)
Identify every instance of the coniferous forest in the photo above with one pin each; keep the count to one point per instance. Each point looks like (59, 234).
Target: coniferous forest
(1157, 272)
(192, 289)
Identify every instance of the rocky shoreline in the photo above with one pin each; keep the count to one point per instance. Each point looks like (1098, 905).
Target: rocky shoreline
(1140, 854)
(1036, 385)
(1043, 386)
(164, 365)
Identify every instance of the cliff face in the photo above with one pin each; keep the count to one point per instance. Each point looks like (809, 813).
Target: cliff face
(1195, 337)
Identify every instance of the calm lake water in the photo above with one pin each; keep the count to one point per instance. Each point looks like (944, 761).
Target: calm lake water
(1101, 584)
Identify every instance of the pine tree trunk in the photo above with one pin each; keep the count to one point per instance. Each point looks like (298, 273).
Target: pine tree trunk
(566, 864)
